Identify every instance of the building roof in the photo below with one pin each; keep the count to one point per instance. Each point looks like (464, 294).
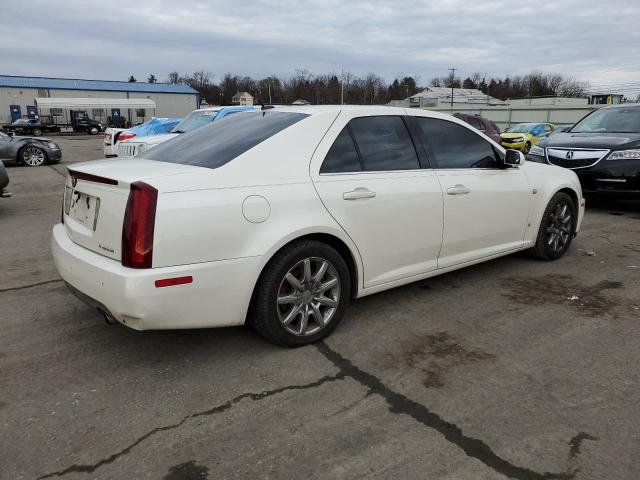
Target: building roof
(241, 94)
(466, 95)
(56, 102)
(98, 85)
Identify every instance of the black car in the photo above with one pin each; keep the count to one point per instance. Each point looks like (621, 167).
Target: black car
(25, 126)
(603, 149)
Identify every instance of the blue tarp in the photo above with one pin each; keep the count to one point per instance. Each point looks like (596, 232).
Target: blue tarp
(155, 126)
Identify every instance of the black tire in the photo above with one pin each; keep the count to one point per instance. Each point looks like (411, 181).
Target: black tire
(266, 311)
(32, 156)
(37, 132)
(527, 147)
(94, 130)
(555, 225)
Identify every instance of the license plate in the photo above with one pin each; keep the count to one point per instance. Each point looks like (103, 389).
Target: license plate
(81, 207)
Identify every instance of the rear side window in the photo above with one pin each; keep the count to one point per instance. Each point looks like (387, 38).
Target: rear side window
(475, 122)
(454, 146)
(213, 145)
(384, 143)
(343, 156)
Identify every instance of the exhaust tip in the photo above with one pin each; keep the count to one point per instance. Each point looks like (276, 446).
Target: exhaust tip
(107, 317)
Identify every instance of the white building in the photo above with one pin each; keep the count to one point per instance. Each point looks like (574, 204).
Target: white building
(441, 96)
(28, 97)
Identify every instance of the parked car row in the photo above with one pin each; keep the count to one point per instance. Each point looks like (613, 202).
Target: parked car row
(278, 217)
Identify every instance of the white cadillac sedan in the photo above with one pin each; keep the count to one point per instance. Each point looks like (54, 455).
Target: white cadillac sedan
(279, 217)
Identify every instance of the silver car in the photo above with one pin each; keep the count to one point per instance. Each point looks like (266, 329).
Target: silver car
(30, 151)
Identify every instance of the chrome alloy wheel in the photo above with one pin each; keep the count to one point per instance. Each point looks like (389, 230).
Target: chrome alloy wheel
(308, 296)
(559, 228)
(33, 156)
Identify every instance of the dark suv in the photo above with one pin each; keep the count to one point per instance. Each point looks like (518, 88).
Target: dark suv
(603, 149)
(485, 125)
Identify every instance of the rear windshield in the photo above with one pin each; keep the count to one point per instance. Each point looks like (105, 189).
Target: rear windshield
(220, 142)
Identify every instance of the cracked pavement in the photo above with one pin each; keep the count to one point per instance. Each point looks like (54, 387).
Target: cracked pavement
(491, 372)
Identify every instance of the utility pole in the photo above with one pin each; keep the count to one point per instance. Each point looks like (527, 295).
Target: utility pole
(342, 88)
(453, 75)
(270, 92)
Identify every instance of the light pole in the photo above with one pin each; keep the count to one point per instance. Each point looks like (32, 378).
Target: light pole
(453, 73)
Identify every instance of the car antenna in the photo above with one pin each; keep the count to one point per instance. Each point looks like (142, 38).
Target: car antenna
(263, 106)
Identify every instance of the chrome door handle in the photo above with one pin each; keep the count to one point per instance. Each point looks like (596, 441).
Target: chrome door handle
(358, 194)
(458, 189)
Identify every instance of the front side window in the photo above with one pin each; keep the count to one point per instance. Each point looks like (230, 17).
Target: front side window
(221, 141)
(455, 146)
(384, 143)
(342, 156)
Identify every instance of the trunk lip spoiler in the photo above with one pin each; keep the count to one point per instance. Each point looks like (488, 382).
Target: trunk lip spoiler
(89, 177)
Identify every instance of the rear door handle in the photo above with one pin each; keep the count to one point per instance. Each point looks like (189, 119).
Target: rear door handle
(358, 194)
(458, 189)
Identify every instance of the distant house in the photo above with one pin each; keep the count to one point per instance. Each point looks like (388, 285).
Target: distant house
(242, 98)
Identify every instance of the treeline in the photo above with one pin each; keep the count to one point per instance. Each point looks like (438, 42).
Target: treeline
(371, 89)
(535, 84)
(329, 88)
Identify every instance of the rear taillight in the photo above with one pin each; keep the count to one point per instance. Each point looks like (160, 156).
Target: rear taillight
(125, 136)
(137, 229)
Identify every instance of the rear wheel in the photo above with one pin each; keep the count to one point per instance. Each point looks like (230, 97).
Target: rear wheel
(557, 228)
(302, 294)
(32, 156)
(37, 132)
(94, 130)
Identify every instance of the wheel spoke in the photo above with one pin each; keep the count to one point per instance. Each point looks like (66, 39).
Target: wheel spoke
(293, 281)
(295, 311)
(317, 314)
(320, 273)
(304, 320)
(329, 302)
(288, 299)
(307, 270)
(327, 285)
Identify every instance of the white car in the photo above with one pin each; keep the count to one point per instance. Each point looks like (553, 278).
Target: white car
(110, 147)
(279, 217)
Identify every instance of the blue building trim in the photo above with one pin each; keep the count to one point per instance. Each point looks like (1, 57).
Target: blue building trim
(93, 85)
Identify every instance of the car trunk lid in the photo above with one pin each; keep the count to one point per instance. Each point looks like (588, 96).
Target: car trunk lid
(95, 199)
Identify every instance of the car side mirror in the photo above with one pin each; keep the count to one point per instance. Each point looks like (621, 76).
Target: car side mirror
(11, 134)
(512, 158)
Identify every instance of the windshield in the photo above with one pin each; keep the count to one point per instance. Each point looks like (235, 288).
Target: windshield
(522, 128)
(610, 120)
(195, 120)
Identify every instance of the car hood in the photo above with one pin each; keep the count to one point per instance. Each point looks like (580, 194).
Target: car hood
(153, 139)
(614, 141)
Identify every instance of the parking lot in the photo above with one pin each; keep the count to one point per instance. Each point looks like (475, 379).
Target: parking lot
(514, 368)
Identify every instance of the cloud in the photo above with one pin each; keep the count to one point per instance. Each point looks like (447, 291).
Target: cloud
(588, 39)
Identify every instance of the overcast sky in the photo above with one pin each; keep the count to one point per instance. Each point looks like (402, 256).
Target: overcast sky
(594, 40)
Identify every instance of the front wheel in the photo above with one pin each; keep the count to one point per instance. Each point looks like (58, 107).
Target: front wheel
(557, 228)
(37, 132)
(302, 294)
(527, 147)
(94, 130)
(33, 156)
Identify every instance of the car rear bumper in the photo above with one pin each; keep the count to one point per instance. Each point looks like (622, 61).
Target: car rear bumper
(218, 296)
